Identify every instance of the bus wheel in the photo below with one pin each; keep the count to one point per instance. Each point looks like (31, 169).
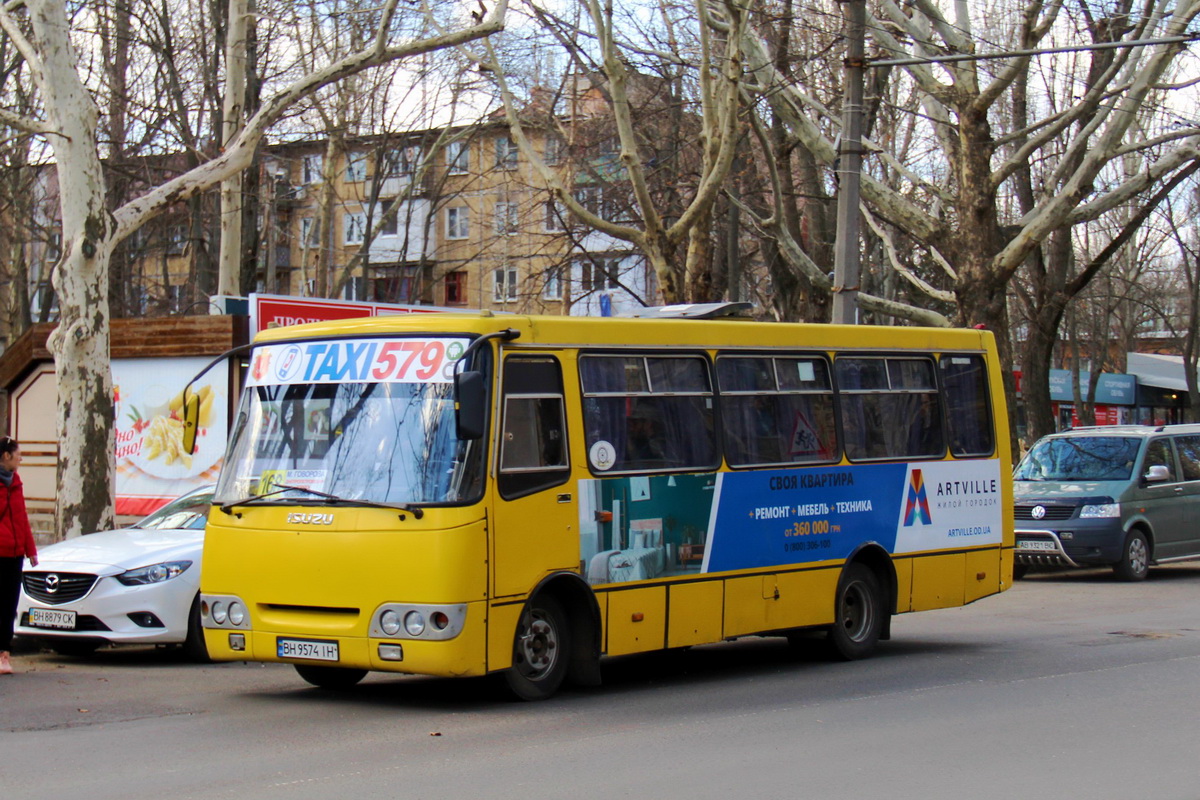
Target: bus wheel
(541, 650)
(1135, 558)
(1020, 571)
(194, 646)
(858, 614)
(330, 677)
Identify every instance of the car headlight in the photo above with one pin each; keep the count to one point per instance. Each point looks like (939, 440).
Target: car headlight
(1101, 511)
(155, 573)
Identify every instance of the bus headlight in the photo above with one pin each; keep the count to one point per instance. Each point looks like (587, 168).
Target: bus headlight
(390, 622)
(414, 623)
(435, 622)
(219, 612)
(237, 613)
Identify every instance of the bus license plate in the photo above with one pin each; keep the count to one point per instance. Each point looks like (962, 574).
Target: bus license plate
(52, 618)
(1034, 544)
(308, 649)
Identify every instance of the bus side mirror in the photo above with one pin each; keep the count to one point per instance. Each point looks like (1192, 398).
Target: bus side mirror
(470, 404)
(191, 419)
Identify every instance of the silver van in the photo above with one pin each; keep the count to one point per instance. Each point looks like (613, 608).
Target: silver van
(1124, 496)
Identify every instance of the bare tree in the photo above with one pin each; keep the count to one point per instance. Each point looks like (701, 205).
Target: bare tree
(41, 31)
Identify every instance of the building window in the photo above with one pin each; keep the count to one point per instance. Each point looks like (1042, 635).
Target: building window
(505, 286)
(556, 216)
(310, 169)
(176, 298)
(457, 221)
(553, 150)
(390, 223)
(356, 167)
(456, 288)
(506, 218)
(552, 287)
(176, 240)
(54, 247)
(589, 198)
(354, 227)
(392, 285)
(458, 158)
(308, 233)
(401, 161)
(599, 274)
(506, 153)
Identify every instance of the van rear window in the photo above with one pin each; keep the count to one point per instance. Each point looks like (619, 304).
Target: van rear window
(1080, 458)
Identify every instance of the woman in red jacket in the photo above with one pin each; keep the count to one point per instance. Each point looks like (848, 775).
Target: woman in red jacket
(16, 543)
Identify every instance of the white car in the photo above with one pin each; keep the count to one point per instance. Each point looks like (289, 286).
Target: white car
(138, 585)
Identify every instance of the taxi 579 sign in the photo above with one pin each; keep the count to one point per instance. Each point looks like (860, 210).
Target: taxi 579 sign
(420, 360)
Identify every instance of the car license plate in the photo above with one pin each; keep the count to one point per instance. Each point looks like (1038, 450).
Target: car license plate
(1036, 544)
(52, 618)
(309, 649)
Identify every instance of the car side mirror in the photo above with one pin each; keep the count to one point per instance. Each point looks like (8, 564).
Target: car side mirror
(470, 404)
(1157, 474)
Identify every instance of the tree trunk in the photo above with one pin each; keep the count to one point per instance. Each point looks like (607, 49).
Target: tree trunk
(80, 343)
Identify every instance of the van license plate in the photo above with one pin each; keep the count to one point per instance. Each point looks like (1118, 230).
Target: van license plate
(52, 618)
(308, 649)
(1033, 544)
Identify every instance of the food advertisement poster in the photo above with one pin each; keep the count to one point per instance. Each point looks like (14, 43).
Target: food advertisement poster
(152, 467)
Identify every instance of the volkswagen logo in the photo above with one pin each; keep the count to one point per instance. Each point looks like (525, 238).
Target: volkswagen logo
(52, 582)
(1038, 512)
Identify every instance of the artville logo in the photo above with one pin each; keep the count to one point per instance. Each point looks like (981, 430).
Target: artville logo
(916, 508)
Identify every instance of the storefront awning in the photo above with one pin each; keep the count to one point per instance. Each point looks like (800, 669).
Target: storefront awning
(1151, 369)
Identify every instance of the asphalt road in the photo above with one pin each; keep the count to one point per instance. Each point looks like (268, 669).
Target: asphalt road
(1068, 686)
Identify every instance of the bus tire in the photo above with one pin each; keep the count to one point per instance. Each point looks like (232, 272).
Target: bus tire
(541, 650)
(1135, 558)
(1020, 571)
(330, 677)
(858, 614)
(194, 646)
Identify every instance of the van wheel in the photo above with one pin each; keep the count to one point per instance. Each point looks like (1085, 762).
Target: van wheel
(541, 650)
(330, 677)
(1135, 558)
(858, 614)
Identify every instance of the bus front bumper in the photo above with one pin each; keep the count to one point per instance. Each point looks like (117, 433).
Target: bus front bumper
(463, 655)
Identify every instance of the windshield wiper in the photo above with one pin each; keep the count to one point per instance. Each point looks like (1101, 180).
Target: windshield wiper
(330, 499)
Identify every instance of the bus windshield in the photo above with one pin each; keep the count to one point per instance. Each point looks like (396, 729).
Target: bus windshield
(373, 442)
(1079, 458)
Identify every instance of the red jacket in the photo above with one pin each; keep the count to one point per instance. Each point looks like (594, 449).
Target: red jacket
(16, 537)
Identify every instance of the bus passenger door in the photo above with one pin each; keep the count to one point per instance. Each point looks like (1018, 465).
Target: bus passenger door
(533, 526)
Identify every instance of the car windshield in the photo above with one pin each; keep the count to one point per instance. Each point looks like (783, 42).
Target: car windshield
(1079, 458)
(189, 512)
(390, 441)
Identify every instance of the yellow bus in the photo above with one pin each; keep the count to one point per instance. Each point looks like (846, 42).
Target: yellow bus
(461, 495)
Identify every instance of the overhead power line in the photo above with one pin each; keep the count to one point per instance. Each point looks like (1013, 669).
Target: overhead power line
(904, 62)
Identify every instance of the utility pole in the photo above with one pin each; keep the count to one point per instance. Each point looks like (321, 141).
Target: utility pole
(846, 245)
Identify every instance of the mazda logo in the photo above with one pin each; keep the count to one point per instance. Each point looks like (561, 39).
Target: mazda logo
(1038, 512)
(52, 582)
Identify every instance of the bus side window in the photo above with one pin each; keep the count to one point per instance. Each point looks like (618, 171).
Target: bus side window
(654, 412)
(533, 441)
(968, 413)
(890, 408)
(776, 410)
